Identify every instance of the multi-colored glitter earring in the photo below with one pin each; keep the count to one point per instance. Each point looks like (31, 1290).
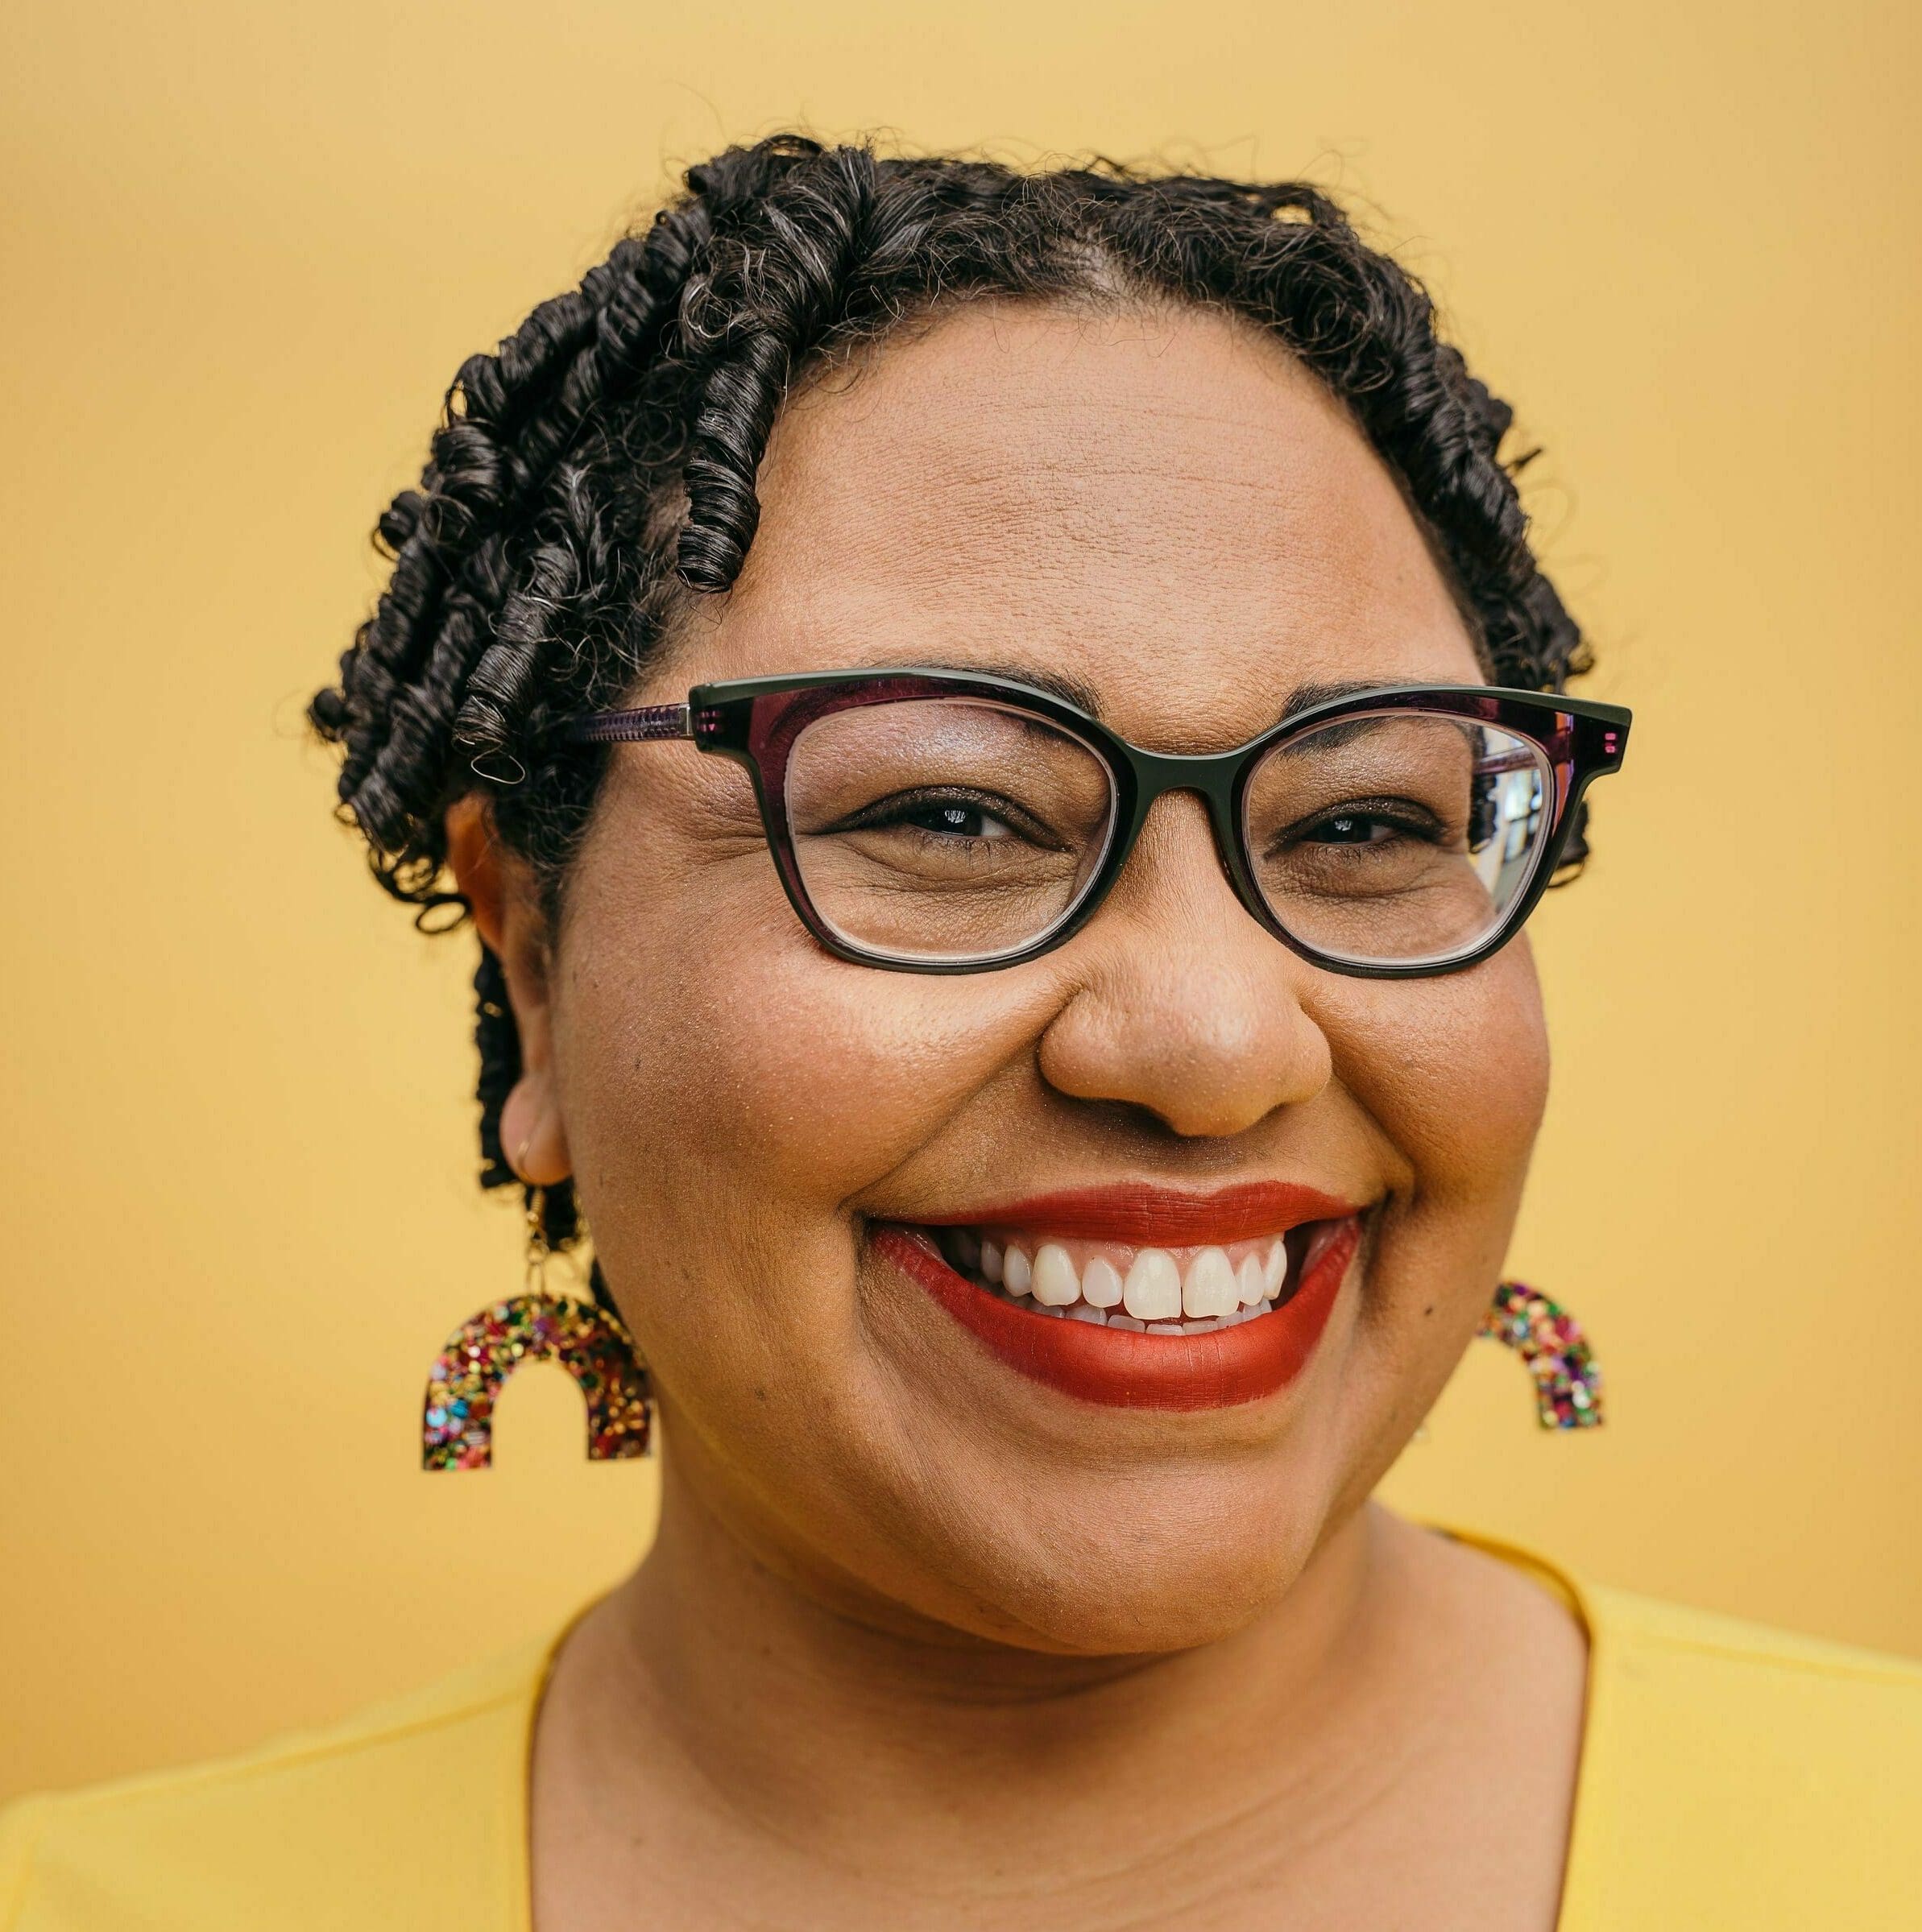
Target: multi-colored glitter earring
(591, 1342)
(1568, 1382)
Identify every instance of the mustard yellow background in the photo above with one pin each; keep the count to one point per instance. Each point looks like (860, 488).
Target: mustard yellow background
(247, 244)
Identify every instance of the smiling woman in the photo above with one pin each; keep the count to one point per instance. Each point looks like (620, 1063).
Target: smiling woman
(999, 733)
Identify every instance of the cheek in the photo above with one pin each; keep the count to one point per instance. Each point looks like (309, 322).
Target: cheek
(728, 1089)
(765, 1064)
(1454, 1073)
(700, 1028)
(1454, 1069)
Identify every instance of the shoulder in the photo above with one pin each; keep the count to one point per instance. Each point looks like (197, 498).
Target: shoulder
(1713, 1682)
(412, 1810)
(1734, 1774)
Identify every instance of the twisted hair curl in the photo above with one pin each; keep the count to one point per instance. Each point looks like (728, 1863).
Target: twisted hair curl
(599, 466)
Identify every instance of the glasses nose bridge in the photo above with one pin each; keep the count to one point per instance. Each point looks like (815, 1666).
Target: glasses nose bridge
(1210, 774)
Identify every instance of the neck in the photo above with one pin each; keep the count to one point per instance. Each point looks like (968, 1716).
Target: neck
(826, 1720)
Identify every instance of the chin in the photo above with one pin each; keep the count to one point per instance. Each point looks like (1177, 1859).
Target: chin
(1167, 1591)
(1128, 1560)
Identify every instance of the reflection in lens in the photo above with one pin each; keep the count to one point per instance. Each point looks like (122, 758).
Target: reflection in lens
(1397, 836)
(945, 829)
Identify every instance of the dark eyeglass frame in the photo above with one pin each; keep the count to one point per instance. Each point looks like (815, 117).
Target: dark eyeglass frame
(755, 721)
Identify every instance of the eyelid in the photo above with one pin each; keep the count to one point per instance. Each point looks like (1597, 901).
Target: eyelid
(1403, 812)
(992, 805)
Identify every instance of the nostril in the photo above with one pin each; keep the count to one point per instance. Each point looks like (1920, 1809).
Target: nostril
(1208, 1041)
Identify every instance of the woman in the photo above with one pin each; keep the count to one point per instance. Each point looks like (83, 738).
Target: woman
(998, 733)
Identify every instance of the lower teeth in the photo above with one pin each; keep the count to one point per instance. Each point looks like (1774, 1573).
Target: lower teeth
(1080, 1311)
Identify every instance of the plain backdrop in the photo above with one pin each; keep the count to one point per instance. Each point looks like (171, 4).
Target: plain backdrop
(247, 244)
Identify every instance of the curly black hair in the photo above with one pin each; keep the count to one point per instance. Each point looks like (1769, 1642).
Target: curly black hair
(598, 470)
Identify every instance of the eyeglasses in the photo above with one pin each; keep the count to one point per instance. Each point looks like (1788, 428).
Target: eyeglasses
(950, 821)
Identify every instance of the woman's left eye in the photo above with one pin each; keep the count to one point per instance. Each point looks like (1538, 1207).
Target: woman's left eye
(1353, 828)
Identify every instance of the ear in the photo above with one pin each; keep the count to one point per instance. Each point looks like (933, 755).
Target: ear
(499, 887)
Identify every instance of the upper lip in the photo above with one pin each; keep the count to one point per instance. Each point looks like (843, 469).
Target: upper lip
(1148, 1214)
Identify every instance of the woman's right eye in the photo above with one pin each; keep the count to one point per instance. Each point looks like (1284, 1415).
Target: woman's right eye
(945, 815)
(956, 819)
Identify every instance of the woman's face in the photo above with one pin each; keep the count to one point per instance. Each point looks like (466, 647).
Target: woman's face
(1166, 510)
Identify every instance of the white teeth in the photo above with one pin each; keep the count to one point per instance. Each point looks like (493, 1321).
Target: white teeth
(1101, 1283)
(1247, 1280)
(1056, 1284)
(1152, 1291)
(1215, 1294)
(1276, 1272)
(1210, 1290)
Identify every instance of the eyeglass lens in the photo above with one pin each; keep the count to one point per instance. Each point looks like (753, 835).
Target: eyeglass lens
(1393, 837)
(954, 829)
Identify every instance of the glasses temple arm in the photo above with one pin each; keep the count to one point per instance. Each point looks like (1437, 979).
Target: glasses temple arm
(634, 726)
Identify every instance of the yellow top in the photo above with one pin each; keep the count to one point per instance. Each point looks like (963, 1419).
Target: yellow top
(1731, 1776)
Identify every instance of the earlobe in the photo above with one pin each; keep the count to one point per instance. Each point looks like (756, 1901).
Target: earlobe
(533, 1134)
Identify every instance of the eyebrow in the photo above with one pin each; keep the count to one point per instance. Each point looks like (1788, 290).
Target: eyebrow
(1306, 697)
(1057, 684)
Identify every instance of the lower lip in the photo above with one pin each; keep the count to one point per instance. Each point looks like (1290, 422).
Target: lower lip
(1122, 1369)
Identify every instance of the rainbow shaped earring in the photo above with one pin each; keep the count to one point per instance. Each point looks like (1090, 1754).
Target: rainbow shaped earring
(591, 1342)
(1568, 1382)
(593, 1345)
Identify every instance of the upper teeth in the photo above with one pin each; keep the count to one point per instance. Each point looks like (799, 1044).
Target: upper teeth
(1101, 1283)
(1142, 1286)
(1055, 1282)
(1152, 1290)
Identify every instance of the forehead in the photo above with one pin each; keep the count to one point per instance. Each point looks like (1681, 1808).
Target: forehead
(1163, 505)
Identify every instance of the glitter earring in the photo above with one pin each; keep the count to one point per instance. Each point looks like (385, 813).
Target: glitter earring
(591, 1342)
(1568, 1382)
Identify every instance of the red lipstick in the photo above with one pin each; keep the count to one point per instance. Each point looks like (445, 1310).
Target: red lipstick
(1119, 1367)
(1148, 1216)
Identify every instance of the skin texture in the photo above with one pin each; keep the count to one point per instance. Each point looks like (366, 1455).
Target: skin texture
(922, 1640)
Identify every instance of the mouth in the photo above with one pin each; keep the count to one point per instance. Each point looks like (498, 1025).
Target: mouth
(1142, 1297)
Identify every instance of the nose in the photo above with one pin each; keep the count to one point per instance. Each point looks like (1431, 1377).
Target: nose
(1184, 1006)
